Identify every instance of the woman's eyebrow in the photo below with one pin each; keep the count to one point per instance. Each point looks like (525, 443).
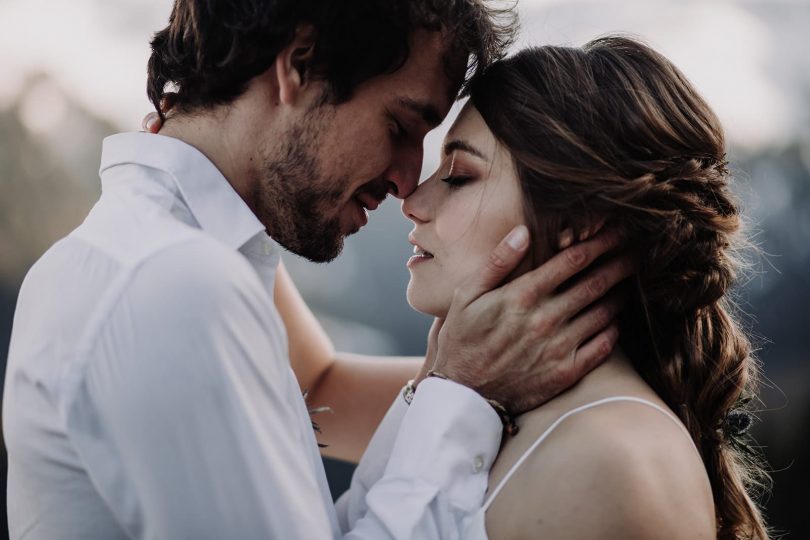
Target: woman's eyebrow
(464, 146)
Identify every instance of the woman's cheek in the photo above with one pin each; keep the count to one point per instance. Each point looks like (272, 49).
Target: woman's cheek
(458, 221)
(474, 263)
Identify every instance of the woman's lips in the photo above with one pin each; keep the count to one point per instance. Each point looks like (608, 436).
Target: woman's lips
(419, 256)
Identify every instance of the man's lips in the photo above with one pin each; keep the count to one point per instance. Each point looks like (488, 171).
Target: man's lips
(368, 200)
(361, 213)
(365, 201)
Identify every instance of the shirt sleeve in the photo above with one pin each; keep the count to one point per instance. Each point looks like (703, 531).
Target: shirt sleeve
(181, 411)
(425, 471)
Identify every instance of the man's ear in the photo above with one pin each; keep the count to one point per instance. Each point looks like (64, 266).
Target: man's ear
(292, 64)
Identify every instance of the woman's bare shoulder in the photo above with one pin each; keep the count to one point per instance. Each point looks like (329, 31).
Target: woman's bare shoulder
(619, 470)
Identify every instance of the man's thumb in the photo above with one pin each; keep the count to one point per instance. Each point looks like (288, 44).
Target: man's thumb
(503, 259)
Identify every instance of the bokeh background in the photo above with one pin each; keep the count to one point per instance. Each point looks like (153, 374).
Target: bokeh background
(73, 72)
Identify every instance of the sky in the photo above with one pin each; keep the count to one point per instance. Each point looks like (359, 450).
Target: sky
(743, 55)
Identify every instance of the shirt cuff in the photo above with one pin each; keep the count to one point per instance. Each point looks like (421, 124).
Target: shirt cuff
(449, 437)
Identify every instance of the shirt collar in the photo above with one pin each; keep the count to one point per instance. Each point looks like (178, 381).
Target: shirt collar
(215, 205)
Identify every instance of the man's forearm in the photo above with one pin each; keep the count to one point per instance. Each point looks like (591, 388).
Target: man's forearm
(359, 389)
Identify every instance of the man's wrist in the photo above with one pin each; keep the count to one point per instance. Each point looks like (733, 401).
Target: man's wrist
(449, 438)
(510, 427)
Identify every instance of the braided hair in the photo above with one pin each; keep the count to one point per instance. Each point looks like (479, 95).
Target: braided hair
(613, 131)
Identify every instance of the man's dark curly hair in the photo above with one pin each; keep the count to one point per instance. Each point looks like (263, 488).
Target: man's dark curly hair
(211, 49)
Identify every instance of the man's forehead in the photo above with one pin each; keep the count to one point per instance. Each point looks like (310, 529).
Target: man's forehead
(433, 72)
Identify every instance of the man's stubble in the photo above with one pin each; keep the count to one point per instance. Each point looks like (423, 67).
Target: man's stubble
(295, 200)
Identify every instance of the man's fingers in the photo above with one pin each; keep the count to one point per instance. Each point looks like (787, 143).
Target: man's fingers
(590, 288)
(564, 265)
(589, 323)
(595, 227)
(571, 369)
(503, 259)
(592, 353)
(151, 123)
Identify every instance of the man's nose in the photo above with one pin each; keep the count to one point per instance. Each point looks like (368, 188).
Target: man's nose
(404, 176)
(401, 185)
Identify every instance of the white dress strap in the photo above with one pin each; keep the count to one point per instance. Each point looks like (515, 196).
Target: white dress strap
(562, 418)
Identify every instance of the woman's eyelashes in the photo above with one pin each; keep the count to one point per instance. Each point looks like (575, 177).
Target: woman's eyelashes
(456, 178)
(456, 181)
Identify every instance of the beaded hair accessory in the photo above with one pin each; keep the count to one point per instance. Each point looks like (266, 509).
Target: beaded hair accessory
(737, 423)
(735, 426)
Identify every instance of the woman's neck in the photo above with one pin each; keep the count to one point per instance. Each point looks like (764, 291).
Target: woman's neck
(615, 376)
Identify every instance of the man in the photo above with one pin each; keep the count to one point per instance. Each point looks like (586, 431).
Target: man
(149, 392)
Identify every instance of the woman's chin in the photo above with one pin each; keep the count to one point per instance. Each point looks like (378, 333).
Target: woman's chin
(425, 304)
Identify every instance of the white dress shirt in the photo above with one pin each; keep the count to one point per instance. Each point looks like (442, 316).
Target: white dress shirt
(149, 394)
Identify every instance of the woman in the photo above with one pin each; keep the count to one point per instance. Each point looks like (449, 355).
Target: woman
(564, 140)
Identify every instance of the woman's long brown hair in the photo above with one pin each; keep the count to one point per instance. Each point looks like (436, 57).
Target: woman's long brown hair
(614, 131)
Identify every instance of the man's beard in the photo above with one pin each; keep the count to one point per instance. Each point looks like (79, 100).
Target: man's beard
(294, 200)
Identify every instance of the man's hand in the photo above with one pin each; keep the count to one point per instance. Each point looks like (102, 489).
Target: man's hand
(432, 349)
(151, 123)
(523, 343)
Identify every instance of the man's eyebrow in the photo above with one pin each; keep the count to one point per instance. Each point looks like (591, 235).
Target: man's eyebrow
(429, 114)
(464, 146)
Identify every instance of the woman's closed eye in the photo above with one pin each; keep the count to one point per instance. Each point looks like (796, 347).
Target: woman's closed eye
(456, 181)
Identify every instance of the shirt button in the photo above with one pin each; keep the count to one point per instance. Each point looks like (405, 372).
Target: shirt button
(267, 249)
(478, 464)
